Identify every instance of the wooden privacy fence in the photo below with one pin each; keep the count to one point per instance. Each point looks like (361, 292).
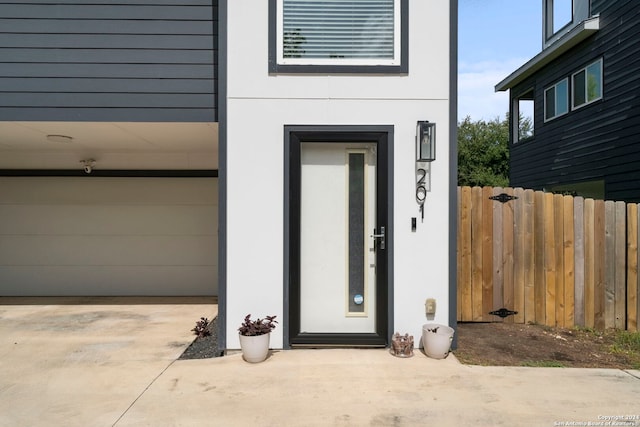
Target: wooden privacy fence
(557, 260)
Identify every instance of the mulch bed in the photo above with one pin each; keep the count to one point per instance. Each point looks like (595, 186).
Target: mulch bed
(204, 347)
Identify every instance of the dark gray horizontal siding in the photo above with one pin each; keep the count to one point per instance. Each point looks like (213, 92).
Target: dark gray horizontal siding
(107, 56)
(596, 6)
(120, 114)
(600, 141)
(107, 60)
(103, 26)
(106, 85)
(115, 2)
(105, 10)
(125, 71)
(107, 41)
(112, 100)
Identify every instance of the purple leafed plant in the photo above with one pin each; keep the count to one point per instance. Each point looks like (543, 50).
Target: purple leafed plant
(201, 328)
(251, 328)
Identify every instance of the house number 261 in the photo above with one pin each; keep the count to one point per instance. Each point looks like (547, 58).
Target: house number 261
(421, 189)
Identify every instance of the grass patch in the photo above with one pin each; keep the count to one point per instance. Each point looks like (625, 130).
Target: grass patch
(589, 331)
(542, 364)
(628, 344)
(627, 341)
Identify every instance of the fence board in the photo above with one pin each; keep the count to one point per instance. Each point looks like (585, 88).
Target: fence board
(464, 248)
(507, 255)
(476, 254)
(579, 257)
(620, 258)
(632, 268)
(637, 283)
(558, 215)
(589, 263)
(609, 264)
(549, 260)
(518, 255)
(459, 253)
(539, 259)
(498, 275)
(599, 292)
(569, 261)
(529, 257)
(487, 254)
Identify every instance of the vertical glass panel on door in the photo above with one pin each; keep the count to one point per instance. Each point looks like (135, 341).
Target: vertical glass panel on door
(356, 218)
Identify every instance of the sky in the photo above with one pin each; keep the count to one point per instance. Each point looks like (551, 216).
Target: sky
(495, 37)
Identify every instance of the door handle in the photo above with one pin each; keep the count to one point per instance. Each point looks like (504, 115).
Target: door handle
(379, 237)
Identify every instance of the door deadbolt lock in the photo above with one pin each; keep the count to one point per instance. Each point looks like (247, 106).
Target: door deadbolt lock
(379, 238)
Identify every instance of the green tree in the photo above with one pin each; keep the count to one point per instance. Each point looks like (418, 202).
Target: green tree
(483, 152)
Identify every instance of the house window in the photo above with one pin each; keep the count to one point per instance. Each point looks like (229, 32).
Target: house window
(587, 84)
(556, 100)
(522, 123)
(338, 36)
(560, 16)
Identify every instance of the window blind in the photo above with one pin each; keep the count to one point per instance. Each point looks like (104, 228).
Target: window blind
(328, 29)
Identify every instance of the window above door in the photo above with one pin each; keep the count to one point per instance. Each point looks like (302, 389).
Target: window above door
(338, 36)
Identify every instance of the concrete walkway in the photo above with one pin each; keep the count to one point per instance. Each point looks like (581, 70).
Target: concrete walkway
(106, 365)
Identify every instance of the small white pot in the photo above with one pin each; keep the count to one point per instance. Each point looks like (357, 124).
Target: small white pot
(255, 348)
(437, 344)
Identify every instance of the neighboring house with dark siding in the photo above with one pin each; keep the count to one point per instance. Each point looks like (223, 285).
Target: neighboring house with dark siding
(584, 92)
(246, 149)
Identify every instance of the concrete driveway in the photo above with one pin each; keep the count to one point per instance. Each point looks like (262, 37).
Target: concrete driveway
(85, 361)
(115, 365)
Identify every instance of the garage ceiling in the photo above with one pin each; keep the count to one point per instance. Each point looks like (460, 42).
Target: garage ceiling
(120, 146)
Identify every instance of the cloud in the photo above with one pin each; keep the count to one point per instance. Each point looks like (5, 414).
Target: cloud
(476, 95)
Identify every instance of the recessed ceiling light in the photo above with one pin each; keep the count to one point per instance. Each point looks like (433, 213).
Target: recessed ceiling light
(59, 138)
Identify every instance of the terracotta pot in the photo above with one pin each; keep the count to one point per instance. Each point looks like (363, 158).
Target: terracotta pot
(255, 348)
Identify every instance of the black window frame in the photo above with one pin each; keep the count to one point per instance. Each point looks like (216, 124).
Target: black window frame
(514, 116)
(554, 88)
(584, 87)
(276, 68)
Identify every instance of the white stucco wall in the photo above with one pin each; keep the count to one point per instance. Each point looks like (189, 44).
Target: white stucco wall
(259, 105)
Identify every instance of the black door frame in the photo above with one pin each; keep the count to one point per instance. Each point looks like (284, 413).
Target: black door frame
(294, 136)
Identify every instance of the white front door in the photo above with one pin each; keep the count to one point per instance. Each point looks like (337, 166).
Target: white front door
(337, 253)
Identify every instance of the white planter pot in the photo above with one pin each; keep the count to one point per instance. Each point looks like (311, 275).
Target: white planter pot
(437, 344)
(255, 348)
